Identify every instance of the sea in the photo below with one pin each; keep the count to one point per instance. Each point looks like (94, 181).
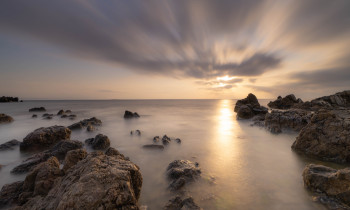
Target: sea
(243, 166)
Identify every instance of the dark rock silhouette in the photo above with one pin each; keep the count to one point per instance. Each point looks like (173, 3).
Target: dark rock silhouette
(5, 118)
(5, 99)
(84, 123)
(9, 145)
(100, 142)
(37, 109)
(284, 103)
(129, 115)
(249, 107)
(293, 119)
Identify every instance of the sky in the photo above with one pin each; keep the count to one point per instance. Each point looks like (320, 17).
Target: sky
(179, 49)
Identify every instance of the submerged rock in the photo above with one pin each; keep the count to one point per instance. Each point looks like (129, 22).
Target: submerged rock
(284, 103)
(166, 140)
(293, 119)
(180, 172)
(37, 109)
(84, 123)
(328, 181)
(249, 107)
(178, 140)
(327, 136)
(129, 114)
(177, 203)
(9, 145)
(156, 139)
(34, 116)
(153, 146)
(45, 137)
(5, 118)
(61, 112)
(100, 142)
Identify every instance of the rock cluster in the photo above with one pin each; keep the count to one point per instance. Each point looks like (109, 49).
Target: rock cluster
(5, 99)
(100, 142)
(5, 118)
(129, 115)
(85, 123)
(249, 107)
(284, 103)
(180, 172)
(37, 109)
(9, 145)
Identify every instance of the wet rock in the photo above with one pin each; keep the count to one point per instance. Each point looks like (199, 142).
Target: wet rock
(293, 119)
(9, 145)
(96, 182)
(180, 172)
(6, 99)
(284, 103)
(59, 151)
(34, 116)
(73, 157)
(61, 112)
(166, 140)
(90, 128)
(37, 109)
(156, 139)
(177, 203)
(5, 118)
(45, 137)
(84, 123)
(249, 107)
(100, 142)
(129, 114)
(326, 137)
(9, 193)
(178, 140)
(258, 120)
(328, 181)
(113, 152)
(153, 146)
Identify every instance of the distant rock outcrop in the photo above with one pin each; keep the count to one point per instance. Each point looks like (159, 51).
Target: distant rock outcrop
(85, 123)
(37, 109)
(249, 107)
(5, 99)
(129, 115)
(5, 118)
(284, 103)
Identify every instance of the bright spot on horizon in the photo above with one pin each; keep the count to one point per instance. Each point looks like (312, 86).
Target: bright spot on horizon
(225, 78)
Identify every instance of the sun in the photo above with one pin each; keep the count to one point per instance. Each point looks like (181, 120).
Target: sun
(225, 78)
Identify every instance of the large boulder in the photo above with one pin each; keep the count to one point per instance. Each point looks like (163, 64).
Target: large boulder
(59, 151)
(249, 107)
(180, 172)
(9, 145)
(37, 109)
(5, 118)
(45, 137)
(9, 193)
(293, 119)
(85, 123)
(327, 136)
(98, 181)
(129, 115)
(100, 142)
(330, 182)
(73, 157)
(284, 103)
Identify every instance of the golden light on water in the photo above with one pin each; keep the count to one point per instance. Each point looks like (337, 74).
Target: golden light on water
(225, 121)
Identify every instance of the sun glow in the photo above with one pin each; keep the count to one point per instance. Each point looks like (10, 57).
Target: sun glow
(225, 78)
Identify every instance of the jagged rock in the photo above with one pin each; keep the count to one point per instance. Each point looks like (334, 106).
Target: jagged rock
(45, 137)
(37, 109)
(9, 193)
(5, 118)
(180, 172)
(249, 107)
(328, 181)
(5, 99)
(85, 123)
(73, 157)
(177, 203)
(129, 114)
(166, 140)
(96, 182)
(9, 145)
(34, 116)
(327, 136)
(59, 151)
(99, 142)
(284, 103)
(293, 119)
(153, 146)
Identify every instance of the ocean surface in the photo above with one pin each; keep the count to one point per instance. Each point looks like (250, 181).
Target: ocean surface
(243, 167)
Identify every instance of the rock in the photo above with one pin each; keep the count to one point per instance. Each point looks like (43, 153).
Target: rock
(293, 119)
(85, 123)
(68, 111)
(96, 182)
(47, 115)
(328, 181)
(9, 193)
(326, 137)
(73, 157)
(113, 152)
(64, 116)
(156, 139)
(37, 109)
(100, 142)
(6, 99)
(258, 120)
(178, 140)
(9, 145)
(59, 151)
(138, 132)
(47, 118)
(180, 172)
(5, 118)
(34, 116)
(178, 203)
(90, 128)
(153, 146)
(129, 114)
(166, 140)
(45, 137)
(284, 103)
(249, 107)
(61, 112)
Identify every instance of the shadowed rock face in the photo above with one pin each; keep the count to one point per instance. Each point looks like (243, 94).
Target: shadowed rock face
(5, 118)
(328, 181)
(45, 137)
(327, 136)
(284, 103)
(99, 142)
(249, 107)
(9, 145)
(37, 109)
(129, 115)
(294, 119)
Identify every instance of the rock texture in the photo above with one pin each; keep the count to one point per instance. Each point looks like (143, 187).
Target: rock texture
(293, 119)
(5, 118)
(327, 136)
(129, 115)
(73, 157)
(9, 193)
(180, 172)
(98, 181)
(178, 203)
(284, 103)
(85, 123)
(100, 142)
(37, 109)
(330, 182)
(9, 145)
(249, 107)
(45, 137)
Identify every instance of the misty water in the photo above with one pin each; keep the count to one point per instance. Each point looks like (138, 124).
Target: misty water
(243, 167)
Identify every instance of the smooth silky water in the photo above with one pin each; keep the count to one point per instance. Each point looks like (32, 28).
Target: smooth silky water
(243, 167)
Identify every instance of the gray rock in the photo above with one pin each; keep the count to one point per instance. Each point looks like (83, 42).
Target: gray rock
(100, 142)
(9, 145)
(293, 119)
(180, 172)
(166, 140)
(284, 103)
(84, 123)
(5, 118)
(37, 109)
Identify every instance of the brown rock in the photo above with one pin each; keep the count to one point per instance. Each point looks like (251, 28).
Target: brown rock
(5, 118)
(73, 157)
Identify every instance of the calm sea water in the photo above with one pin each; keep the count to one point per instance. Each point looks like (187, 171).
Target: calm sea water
(243, 167)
